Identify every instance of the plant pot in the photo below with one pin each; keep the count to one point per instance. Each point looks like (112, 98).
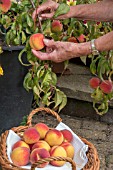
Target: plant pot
(15, 101)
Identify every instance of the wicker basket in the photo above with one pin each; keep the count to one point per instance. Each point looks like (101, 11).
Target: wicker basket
(93, 160)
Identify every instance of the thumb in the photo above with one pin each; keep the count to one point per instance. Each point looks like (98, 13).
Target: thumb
(49, 43)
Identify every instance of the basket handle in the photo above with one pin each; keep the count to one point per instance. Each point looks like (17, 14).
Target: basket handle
(47, 110)
(58, 158)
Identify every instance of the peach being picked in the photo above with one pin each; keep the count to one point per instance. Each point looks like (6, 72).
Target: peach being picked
(42, 129)
(41, 144)
(56, 26)
(20, 156)
(39, 153)
(31, 135)
(69, 149)
(5, 5)
(58, 151)
(20, 143)
(36, 41)
(67, 135)
(54, 137)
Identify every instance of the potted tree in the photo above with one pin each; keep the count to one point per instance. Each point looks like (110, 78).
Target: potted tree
(17, 30)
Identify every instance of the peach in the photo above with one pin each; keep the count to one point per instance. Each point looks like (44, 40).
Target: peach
(58, 151)
(54, 137)
(72, 39)
(5, 5)
(20, 143)
(39, 153)
(56, 26)
(31, 135)
(42, 129)
(36, 41)
(69, 149)
(106, 86)
(41, 144)
(67, 135)
(81, 38)
(94, 82)
(20, 156)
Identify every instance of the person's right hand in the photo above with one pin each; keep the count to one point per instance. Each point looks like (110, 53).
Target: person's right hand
(46, 10)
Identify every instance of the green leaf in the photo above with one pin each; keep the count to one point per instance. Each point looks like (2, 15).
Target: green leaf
(58, 98)
(20, 57)
(23, 37)
(29, 21)
(27, 80)
(36, 91)
(62, 9)
(64, 102)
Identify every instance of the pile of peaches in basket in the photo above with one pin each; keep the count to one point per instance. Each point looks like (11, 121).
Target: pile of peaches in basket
(41, 142)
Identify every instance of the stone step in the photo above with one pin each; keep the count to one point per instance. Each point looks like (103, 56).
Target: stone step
(75, 85)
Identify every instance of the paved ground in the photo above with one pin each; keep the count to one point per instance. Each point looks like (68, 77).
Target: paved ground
(100, 134)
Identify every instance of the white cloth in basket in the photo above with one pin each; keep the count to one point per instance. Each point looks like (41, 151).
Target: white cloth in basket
(80, 150)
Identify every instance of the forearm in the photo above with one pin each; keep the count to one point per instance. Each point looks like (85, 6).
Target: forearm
(103, 43)
(100, 11)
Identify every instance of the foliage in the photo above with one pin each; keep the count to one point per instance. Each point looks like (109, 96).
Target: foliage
(19, 26)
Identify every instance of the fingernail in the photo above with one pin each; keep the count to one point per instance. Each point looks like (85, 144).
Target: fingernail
(40, 18)
(46, 40)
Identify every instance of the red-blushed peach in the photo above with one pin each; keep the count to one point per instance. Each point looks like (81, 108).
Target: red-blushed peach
(42, 129)
(67, 135)
(54, 137)
(81, 38)
(56, 26)
(58, 151)
(106, 86)
(20, 156)
(20, 143)
(5, 5)
(31, 135)
(94, 82)
(69, 149)
(41, 144)
(39, 153)
(72, 39)
(36, 41)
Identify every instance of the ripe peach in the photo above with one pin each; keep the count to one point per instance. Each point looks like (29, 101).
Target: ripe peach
(36, 41)
(67, 135)
(39, 153)
(5, 5)
(58, 151)
(106, 86)
(20, 156)
(31, 135)
(41, 144)
(42, 129)
(94, 82)
(56, 26)
(69, 149)
(81, 38)
(20, 143)
(54, 137)
(72, 39)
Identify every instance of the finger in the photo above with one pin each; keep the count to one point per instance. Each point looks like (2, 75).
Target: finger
(41, 55)
(49, 43)
(61, 17)
(47, 15)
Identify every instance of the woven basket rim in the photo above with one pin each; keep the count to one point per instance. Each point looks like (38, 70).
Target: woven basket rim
(93, 159)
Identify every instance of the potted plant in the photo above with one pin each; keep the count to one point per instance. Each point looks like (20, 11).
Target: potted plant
(18, 28)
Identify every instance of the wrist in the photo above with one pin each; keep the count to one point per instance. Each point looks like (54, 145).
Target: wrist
(84, 49)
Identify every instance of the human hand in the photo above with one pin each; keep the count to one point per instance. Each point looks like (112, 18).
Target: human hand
(60, 51)
(49, 7)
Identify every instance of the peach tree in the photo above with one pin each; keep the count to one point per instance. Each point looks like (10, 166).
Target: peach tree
(18, 26)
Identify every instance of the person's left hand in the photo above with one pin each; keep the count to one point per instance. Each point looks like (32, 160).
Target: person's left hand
(59, 51)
